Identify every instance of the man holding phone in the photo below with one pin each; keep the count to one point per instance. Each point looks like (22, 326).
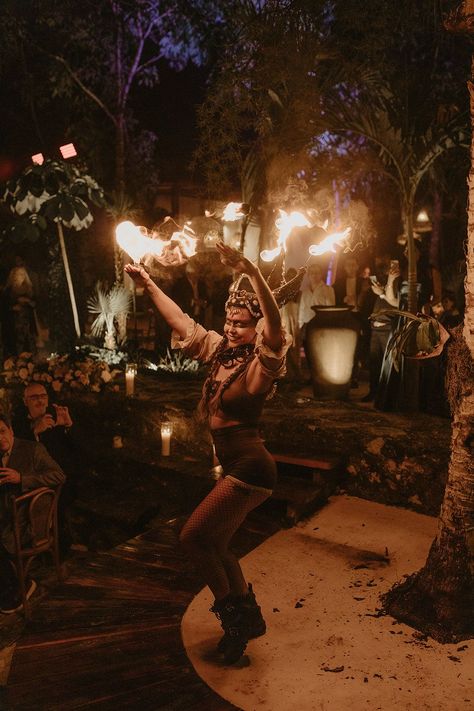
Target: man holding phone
(384, 284)
(53, 427)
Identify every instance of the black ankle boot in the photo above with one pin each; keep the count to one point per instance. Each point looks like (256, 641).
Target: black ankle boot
(234, 623)
(249, 607)
(256, 623)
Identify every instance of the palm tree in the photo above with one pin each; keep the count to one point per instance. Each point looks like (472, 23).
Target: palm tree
(406, 156)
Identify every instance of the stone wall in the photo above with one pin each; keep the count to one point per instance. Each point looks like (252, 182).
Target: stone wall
(390, 458)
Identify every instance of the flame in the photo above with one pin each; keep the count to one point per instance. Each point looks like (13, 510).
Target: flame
(187, 242)
(132, 240)
(233, 212)
(268, 255)
(329, 243)
(136, 242)
(285, 224)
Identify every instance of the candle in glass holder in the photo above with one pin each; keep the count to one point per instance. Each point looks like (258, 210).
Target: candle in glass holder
(130, 373)
(166, 430)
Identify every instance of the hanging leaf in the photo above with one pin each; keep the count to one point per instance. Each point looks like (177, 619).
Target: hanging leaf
(51, 207)
(81, 208)
(66, 209)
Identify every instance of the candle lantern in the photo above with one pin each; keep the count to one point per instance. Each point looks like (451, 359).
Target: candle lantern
(130, 373)
(166, 430)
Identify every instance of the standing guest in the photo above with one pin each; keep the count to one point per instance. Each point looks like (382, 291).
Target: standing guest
(450, 317)
(365, 303)
(25, 466)
(348, 290)
(244, 365)
(316, 294)
(20, 304)
(289, 320)
(189, 291)
(385, 287)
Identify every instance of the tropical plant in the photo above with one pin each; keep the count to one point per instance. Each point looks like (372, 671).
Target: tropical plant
(417, 336)
(112, 307)
(405, 155)
(55, 191)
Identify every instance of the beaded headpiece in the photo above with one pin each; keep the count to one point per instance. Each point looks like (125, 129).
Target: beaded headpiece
(241, 295)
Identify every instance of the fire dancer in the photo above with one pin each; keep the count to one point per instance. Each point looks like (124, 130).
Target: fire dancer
(244, 365)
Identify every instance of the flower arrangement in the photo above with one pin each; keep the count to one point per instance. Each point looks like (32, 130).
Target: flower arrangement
(61, 372)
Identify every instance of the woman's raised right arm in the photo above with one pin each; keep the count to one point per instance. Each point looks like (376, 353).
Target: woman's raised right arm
(169, 309)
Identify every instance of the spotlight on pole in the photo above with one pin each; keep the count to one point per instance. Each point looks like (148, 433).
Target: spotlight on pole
(37, 159)
(68, 150)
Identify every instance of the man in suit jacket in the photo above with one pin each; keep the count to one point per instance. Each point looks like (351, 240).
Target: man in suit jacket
(347, 286)
(24, 466)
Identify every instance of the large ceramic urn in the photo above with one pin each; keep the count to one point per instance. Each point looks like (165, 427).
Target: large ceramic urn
(330, 345)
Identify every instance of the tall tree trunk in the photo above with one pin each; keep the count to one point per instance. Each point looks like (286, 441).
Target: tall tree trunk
(469, 283)
(439, 599)
(69, 280)
(435, 242)
(412, 276)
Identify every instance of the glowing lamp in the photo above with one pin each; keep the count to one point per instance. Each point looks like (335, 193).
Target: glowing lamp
(37, 159)
(422, 222)
(130, 373)
(68, 150)
(166, 431)
(422, 216)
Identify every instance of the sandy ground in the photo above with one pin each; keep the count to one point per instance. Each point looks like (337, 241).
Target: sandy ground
(325, 648)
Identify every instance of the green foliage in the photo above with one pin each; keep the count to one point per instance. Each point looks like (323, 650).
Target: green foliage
(415, 336)
(83, 63)
(56, 191)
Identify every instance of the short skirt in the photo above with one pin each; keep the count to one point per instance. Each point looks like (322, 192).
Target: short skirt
(242, 454)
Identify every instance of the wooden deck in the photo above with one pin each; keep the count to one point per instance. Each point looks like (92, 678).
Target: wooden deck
(109, 636)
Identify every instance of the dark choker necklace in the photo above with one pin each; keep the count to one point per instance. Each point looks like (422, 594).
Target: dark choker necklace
(234, 356)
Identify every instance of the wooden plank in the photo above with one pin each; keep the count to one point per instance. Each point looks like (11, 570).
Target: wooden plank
(326, 463)
(109, 636)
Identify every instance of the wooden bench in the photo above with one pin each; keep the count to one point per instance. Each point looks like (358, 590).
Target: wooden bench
(303, 494)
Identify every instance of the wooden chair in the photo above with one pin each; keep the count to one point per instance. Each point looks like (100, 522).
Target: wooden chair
(36, 515)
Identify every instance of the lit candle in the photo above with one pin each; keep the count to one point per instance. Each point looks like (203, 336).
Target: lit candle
(166, 430)
(130, 372)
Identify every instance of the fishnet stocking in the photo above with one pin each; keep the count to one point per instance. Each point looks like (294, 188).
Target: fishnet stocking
(207, 534)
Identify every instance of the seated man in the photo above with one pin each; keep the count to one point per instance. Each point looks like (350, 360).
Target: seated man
(25, 466)
(53, 427)
(49, 425)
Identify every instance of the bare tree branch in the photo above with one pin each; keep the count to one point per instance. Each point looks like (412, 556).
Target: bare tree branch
(83, 87)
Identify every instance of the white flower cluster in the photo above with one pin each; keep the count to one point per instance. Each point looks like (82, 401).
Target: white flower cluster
(76, 222)
(61, 372)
